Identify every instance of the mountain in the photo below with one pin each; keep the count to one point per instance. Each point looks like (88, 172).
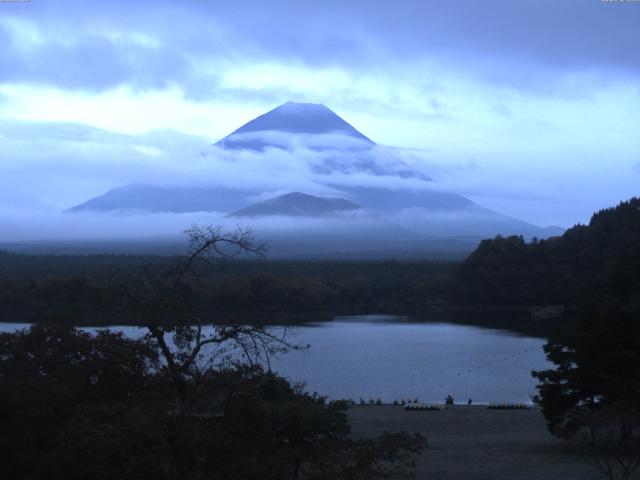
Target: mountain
(301, 127)
(296, 204)
(403, 209)
(290, 118)
(309, 126)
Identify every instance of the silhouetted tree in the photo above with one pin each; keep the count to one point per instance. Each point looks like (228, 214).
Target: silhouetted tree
(594, 391)
(162, 302)
(52, 376)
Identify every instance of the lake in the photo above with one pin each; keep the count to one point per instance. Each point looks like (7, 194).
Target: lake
(394, 358)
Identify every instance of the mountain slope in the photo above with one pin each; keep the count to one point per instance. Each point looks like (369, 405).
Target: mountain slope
(153, 198)
(310, 127)
(296, 204)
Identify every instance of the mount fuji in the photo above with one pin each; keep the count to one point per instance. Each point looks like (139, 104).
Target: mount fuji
(292, 118)
(353, 178)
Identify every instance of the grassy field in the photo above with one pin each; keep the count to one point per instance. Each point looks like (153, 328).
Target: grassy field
(475, 443)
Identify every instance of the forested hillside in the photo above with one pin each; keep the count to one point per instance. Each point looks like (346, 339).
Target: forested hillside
(558, 271)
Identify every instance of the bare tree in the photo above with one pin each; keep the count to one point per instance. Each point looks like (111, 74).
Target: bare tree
(184, 341)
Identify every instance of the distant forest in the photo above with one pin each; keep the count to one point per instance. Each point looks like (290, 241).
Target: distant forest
(504, 272)
(84, 289)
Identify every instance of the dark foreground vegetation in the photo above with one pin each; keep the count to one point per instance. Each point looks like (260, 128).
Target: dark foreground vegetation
(75, 406)
(177, 404)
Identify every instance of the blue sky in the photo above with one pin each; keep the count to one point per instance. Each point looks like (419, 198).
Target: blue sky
(531, 108)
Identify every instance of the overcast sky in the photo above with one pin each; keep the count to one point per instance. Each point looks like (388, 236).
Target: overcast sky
(531, 108)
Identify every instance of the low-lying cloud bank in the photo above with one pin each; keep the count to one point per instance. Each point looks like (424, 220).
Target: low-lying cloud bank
(18, 225)
(49, 167)
(54, 166)
(362, 230)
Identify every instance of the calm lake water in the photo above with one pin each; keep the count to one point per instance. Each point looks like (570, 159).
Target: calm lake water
(391, 357)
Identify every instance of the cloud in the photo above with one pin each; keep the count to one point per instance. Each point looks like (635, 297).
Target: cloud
(85, 60)
(51, 166)
(57, 165)
(57, 226)
(527, 44)
(33, 224)
(502, 110)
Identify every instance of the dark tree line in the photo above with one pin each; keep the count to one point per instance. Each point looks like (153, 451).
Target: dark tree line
(80, 289)
(557, 271)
